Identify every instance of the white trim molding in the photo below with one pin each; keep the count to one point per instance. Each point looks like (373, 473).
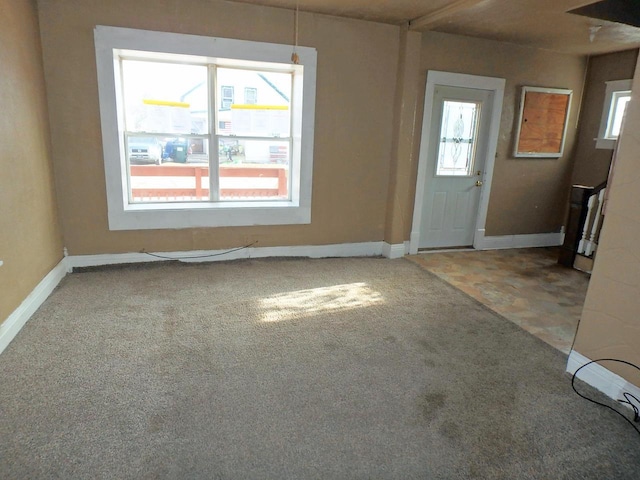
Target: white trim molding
(365, 249)
(501, 242)
(397, 250)
(600, 378)
(517, 153)
(14, 323)
(113, 44)
(517, 241)
(493, 84)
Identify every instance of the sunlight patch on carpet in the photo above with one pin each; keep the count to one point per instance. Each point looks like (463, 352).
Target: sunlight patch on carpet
(304, 303)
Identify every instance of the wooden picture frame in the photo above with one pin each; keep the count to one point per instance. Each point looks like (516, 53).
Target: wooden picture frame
(542, 123)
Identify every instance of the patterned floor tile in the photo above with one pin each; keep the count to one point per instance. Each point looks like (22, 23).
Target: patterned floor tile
(526, 286)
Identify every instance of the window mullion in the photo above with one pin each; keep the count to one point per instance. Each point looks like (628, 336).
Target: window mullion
(214, 158)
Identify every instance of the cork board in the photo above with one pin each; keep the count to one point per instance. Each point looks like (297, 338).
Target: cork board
(542, 125)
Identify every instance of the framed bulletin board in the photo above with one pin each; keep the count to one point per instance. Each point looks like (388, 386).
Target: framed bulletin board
(542, 124)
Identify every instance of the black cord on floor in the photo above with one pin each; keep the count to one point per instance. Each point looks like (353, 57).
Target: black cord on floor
(199, 256)
(626, 395)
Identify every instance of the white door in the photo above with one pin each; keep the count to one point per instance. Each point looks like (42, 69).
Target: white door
(456, 158)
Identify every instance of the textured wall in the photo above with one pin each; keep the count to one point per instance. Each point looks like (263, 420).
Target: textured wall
(610, 324)
(357, 66)
(528, 195)
(592, 165)
(30, 240)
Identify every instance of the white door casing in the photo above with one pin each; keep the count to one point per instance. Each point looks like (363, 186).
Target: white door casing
(491, 84)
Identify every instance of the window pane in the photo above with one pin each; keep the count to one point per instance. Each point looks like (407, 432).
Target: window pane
(269, 118)
(618, 107)
(165, 97)
(458, 134)
(254, 169)
(168, 169)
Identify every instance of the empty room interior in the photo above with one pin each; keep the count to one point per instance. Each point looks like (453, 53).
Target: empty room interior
(275, 310)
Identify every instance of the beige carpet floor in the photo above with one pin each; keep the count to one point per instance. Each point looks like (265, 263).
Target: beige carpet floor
(291, 369)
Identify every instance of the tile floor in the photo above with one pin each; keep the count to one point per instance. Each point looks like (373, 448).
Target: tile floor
(526, 286)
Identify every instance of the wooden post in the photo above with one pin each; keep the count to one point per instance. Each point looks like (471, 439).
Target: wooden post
(198, 173)
(282, 183)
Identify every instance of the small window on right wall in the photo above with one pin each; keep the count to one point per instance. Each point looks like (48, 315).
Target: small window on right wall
(617, 96)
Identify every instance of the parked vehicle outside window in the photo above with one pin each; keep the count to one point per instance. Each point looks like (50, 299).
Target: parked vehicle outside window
(144, 150)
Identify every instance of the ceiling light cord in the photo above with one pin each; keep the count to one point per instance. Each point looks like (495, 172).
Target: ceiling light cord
(295, 59)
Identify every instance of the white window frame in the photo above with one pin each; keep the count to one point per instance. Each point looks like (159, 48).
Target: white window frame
(613, 89)
(122, 215)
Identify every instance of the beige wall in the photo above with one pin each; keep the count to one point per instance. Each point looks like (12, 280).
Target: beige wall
(404, 156)
(528, 195)
(358, 165)
(30, 240)
(610, 324)
(592, 165)
(357, 66)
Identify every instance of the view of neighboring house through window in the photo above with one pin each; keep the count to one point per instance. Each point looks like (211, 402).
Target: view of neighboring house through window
(167, 109)
(255, 135)
(158, 118)
(177, 138)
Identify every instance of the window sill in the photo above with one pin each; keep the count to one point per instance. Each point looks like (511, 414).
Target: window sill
(605, 143)
(211, 206)
(237, 214)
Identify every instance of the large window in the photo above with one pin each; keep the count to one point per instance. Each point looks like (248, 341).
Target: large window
(180, 150)
(617, 96)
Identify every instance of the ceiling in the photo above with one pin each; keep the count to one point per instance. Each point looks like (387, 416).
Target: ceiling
(536, 23)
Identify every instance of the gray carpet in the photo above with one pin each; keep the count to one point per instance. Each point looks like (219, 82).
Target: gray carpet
(291, 369)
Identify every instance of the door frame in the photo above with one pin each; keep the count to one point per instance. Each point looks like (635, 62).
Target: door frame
(494, 84)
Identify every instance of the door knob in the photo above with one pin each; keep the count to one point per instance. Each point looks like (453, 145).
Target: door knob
(479, 183)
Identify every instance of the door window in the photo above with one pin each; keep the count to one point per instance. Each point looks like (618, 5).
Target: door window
(458, 138)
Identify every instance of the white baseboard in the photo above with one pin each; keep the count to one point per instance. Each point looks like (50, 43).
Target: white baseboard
(596, 375)
(12, 325)
(481, 242)
(397, 250)
(520, 241)
(365, 249)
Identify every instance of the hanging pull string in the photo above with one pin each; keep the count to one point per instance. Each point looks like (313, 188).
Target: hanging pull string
(294, 56)
(628, 397)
